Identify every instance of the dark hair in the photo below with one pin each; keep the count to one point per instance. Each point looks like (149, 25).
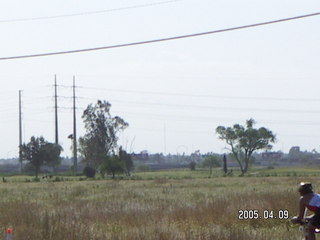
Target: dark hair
(305, 188)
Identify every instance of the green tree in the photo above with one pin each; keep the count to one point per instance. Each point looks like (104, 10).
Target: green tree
(111, 165)
(225, 167)
(126, 160)
(89, 172)
(101, 135)
(192, 165)
(244, 141)
(39, 152)
(53, 152)
(211, 161)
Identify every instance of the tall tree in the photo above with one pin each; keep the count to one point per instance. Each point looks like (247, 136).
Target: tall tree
(111, 165)
(39, 152)
(127, 161)
(211, 161)
(244, 141)
(53, 152)
(225, 167)
(101, 135)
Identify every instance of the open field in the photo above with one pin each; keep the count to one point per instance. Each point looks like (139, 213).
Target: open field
(257, 172)
(186, 207)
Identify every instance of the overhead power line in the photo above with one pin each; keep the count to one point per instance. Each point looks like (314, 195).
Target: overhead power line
(88, 13)
(207, 119)
(215, 108)
(161, 39)
(176, 94)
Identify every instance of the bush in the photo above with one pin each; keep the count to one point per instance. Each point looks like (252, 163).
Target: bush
(36, 179)
(112, 165)
(192, 166)
(143, 168)
(89, 172)
(57, 179)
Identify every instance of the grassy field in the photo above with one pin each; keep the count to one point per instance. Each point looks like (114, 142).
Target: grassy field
(156, 205)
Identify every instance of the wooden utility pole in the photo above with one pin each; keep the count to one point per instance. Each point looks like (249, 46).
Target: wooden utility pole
(20, 131)
(75, 157)
(56, 110)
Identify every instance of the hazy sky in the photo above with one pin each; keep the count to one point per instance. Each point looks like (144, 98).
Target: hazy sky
(173, 94)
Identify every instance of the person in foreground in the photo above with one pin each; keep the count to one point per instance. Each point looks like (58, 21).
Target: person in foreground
(311, 201)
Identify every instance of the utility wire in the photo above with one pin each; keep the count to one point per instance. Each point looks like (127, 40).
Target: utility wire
(88, 13)
(176, 94)
(208, 119)
(169, 131)
(198, 107)
(161, 39)
(202, 95)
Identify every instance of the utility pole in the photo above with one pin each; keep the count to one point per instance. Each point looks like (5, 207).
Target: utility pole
(56, 110)
(75, 157)
(165, 138)
(20, 131)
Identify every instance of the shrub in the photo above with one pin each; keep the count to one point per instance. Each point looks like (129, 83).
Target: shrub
(89, 172)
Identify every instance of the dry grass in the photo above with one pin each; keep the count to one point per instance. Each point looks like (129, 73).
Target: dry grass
(188, 209)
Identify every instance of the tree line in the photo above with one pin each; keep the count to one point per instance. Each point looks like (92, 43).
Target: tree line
(99, 149)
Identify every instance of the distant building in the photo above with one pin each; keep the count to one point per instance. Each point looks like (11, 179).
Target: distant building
(271, 155)
(143, 156)
(295, 149)
(294, 153)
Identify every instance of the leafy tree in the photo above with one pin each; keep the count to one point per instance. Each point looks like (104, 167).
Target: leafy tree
(211, 161)
(126, 160)
(192, 165)
(225, 167)
(111, 165)
(89, 172)
(39, 152)
(101, 135)
(244, 141)
(53, 152)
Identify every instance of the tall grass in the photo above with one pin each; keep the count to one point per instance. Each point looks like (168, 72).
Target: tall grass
(178, 209)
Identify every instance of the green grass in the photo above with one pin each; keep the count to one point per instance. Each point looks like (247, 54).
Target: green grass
(159, 205)
(286, 172)
(185, 174)
(255, 172)
(177, 174)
